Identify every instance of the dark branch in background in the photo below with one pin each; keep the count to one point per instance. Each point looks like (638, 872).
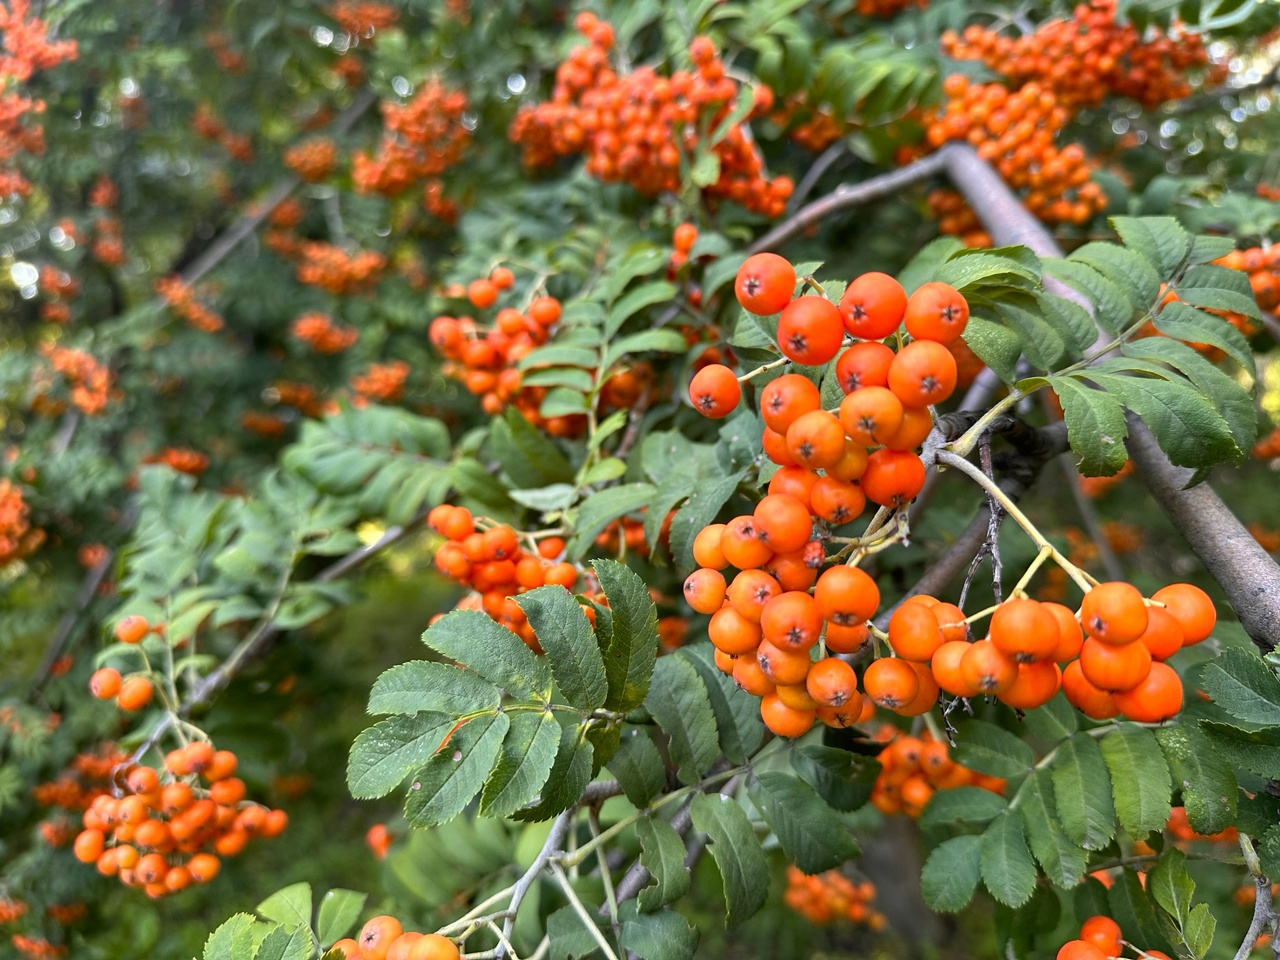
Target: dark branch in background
(1247, 574)
(828, 159)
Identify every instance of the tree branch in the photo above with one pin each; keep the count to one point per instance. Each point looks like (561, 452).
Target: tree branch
(1249, 577)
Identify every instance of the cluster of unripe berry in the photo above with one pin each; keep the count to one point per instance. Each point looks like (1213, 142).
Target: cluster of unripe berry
(171, 828)
(831, 897)
(483, 359)
(1101, 939)
(1088, 57)
(912, 769)
(421, 140)
(17, 537)
(641, 128)
(1016, 131)
(384, 938)
(312, 160)
(332, 268)
(492, 562)
(322, 335)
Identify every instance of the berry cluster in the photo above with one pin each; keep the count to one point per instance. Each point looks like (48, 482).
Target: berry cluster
(1262, 264)
(322, 335)
(422, 139)
(263, 424)
(108, 241)
(334, 269)
(380, 382)
(58, 287)
(172, 827)
(384, 938)
(1016, 131)
(89, 380)
(1180, 827)
(813, 127)
(37, 948)
(17, 537)
(190, 462)
(207, 125)
(218, 43)
(887, 8)
(301, 396)
(483, 359)
(492, 562)
(362, 18)
(641, 128)
(912, 769)
(1268, 447)
(312, 160)
(1088, 57)
(182, 301)
(682, 240)
(1101, 939)
(830, 897)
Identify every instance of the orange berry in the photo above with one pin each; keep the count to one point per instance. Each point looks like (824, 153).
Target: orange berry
(132, 629)
(890, 683)
(1156, 699)
(810, 331)
(936, 312)
(987, 668)
(1114, 668)
(704, 590)
(783, 720)
(105, 683)
(1191, 607)
(1024, 630)
(715, 391)
(872, 306)
(764, 284)
(135, 693)
(832, 682)
(1114, 613)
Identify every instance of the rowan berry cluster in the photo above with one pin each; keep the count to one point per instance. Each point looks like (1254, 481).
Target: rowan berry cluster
(18, 538)
(912, 769)
(218, 43)
(888, 8)
(682, 241)
(27, 49)
(263, 424)
(1268, 447)
(181, 299)
(1180, 827)
(1088, 57)
(362, 18)
(1263, 267)
(89, 380)
(58, 287)
(813, 127)
(312, 160)
(334, 269)
(301, 396)
(764, 622)
(422, 139)
(1101, 939)
(640, 128)
(322, 335)
(171, 828)
(384, 938)
(206, 124)
(37, 948)
(1016, 131)
(380, 382)
(484, 359)
(831, 897)
(491, 561)
(191, 462)
(108, 241)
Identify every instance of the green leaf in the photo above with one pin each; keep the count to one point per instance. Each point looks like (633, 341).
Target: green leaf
(812, 836)
(1139, 779)
(988, 749)
(1206, 248)
(737, 717)
(569, 776)
(455, 774)
(1207, 782)
(699, 512)
(473, 639)
(1171, 885)
(602, 508)
(678, 702)
(645, 295)
(638, 767)
(570, 644)
(1184, 322)
(1054, 721)
(290, 906)
(1161, 240)
(1214, 287)
(721, 272)
(662, 854)
(923, 267)
(951, 874)
(1224, 394)
(1082, 792)
(1064, 862)
(633, 646)
(1198, 931)
(736, 851)
(1112, 308)
(963, 805)
(232, 940)
(425, 685)
(1044, 347)
(996, 345)
(845, 780)
(1244, 686)
(523, 764)
(1184, 423)
(1131, 908)
(1096, 427)
(383, 755)
(647, 341)
(286, 943)
(562, 402)
(1257, 751)
(557, 496)
(526, 454)
(1007, 868)
(1071, 320)
(339, 911)
(706, 169)
(570, 939)
(664, 935)
(1125, 269)
(560, 354)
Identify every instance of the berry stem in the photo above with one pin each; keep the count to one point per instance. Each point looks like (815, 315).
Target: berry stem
(810, 281)
(1032, 567)
(771, 365)
(1082, 579)
(963, 445)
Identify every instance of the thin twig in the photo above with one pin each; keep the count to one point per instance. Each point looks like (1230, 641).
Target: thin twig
(1264, 914)
(826, 160)
(550, 847)
(580, 909)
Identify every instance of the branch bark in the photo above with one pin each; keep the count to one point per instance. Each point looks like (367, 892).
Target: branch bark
(1248, 576)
